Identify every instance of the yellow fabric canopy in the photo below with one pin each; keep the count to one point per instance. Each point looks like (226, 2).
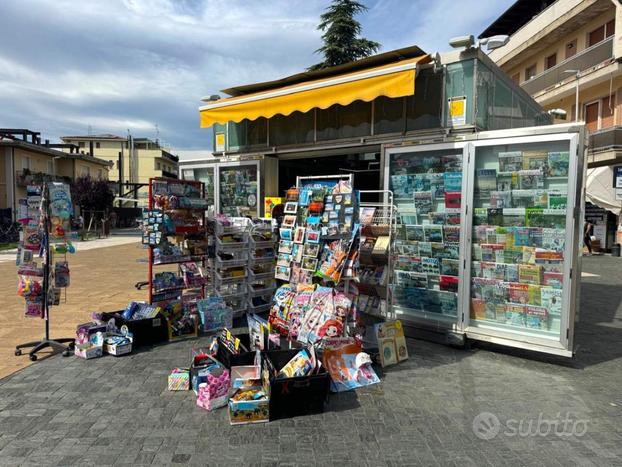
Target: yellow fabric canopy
(393, 80)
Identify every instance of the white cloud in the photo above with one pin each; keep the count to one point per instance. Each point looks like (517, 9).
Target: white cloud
(121, 64)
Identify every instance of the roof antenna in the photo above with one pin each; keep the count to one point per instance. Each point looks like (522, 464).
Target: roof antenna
(157, 133)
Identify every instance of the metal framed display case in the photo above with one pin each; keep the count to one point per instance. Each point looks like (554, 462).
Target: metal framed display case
(519, 235)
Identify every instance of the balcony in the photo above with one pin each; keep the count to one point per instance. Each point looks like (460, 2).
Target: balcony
(25, 178)
(608, 139)
(598, 54)
(169, 174)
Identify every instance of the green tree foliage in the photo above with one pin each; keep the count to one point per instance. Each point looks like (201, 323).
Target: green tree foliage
(342, 41)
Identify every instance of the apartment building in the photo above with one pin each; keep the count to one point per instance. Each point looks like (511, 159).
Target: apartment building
(556, 45)
(135, 160)
(25, 159)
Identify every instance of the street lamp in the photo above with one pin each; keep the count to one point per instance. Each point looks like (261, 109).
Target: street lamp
(576, 97)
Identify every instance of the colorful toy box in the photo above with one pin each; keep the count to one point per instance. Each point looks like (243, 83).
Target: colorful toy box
(179, 379)
(251, 405)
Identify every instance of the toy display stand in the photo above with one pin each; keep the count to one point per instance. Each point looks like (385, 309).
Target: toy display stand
(54, 344)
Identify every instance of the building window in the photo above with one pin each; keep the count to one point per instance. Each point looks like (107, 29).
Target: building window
(596, 36)
(25, 163)
(97, 144)
(530, 72)
(50, 168)
(516, 78)
(100, 174)
(610, 28)
(85, 171)
(81, 144)
(571, 48)
(550, 61)
(157, 166)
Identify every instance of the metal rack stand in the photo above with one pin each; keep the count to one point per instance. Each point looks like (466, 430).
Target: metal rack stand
(55, 344)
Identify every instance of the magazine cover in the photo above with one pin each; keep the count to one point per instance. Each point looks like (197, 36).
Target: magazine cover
(402, 186)
(534, 294)
(541, 199)
(495, 216)
(551, 299)
(437, 218)
(452, 163)
(553, 279)
(487, 269)
(536, 160)
(535, 217)
(558, 164)
(480, 216)
(451, 233)
(425, 249)
(431, 265)
(393, 330)
(514, 217)
(433, 233)
(530, 274)
(478, 309)
(500, 199)
(346, 372)
(423, 201)
(437, 185)
(485, 182)
(449, 283)
(531, 179)
(421, 182)
(449, 303)
(536, 317)
(483, 288)
(489, 251)
(450, 267)
(476, 268)
(513, 255)
(557, 199)
(453, 181)
(548, 256)
(453, 200)
(511, 272)
(510, 161)
(414, 233)
(507, 181)
(523, 198)
(515, 314)
(519, 293)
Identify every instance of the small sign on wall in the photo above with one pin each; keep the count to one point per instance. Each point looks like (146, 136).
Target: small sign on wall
(220, 142)
(617, 176)
(457, 110)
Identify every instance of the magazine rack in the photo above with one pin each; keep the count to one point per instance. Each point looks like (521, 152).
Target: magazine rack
(378, 226)
(55, 344)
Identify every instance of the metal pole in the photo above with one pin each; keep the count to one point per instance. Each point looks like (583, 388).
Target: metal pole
(576, 99)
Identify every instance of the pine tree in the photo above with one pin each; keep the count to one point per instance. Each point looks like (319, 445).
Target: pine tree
(342, 43)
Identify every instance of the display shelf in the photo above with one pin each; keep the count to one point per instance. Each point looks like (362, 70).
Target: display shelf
(261, 275)
(235, 245)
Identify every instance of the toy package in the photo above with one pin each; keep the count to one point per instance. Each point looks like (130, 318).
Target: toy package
(214, 314)
(302, 364)
(214, 392)
(61, 210)
(349, 367)
(61, 274)
(179, 379)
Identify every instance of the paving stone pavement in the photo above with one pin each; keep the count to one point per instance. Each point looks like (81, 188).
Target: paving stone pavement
(117, 411)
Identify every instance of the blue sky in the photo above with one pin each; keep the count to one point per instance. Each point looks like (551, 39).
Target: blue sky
(116, 65)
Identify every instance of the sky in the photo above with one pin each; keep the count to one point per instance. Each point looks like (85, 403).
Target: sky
(72, 67)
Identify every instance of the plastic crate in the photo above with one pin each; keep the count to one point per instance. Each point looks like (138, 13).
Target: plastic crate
(240, 258)
(236, 302)
(224, 279)
(232, 288)
(260, 308)
(261, 275)
(291, 397)
(237, 245)
(228, 359)
(146, 331)
(238, 225)
(266, 286)
(257, 244)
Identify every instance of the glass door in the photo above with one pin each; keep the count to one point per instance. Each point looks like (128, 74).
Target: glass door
(238, 189)
(521, 243)
(428, 187)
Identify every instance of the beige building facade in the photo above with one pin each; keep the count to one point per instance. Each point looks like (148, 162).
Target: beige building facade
(24, 160)
(134, 160)
(552, 46)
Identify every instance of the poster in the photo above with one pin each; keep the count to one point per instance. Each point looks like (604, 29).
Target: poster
(457, 110)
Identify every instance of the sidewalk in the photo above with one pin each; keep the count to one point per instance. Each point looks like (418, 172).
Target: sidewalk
(116, 239)
(117, 411)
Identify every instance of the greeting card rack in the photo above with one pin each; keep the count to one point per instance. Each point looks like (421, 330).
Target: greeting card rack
(44, 235)
(176, 211)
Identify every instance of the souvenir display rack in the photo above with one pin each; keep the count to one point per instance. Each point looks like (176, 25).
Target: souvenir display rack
(378, 227)
(37, 222)
(261, 263)
(230, 266)
(177, 212)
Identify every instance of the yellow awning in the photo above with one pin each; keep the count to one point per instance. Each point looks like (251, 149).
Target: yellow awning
(393, 80)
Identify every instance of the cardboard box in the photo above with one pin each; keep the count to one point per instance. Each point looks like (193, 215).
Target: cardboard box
(247, 376)
(253, 411)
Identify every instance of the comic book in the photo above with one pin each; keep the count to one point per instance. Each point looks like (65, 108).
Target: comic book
(558, 164)
(510, 161)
